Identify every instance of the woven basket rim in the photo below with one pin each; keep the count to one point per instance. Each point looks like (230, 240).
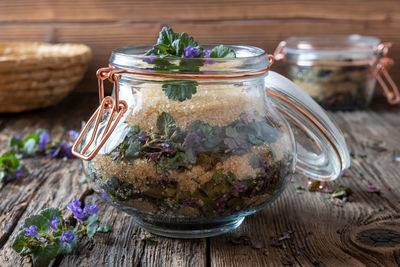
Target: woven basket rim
(36, 51)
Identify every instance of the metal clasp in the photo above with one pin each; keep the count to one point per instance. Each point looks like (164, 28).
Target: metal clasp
(383, 65)
(118, 108)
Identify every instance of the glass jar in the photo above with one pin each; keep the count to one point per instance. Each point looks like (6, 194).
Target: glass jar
(190, 146)
(339, 72)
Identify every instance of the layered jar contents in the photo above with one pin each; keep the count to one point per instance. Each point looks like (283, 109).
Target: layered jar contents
(216, 154)
(338, 72)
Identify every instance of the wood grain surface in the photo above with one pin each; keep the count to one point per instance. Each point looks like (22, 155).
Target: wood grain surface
(364, 232)
(105, 25)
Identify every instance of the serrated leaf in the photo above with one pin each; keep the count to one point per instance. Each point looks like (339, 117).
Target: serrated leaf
(167, 36)
(50, 212)
(67, 248)
(188, 40)
(39, 220)
(179, 89)
(92, 225)
(222, 51)
(42, 256)
(104, 229)
(18, 244)
(165, 123)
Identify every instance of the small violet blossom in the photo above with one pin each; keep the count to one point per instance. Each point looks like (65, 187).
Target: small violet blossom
(44, 139)
(150, 60)
(190, 52)
(372, 189)
(18, 173)
(31, 231)
(89, 210)
(53, 223)
(75, 208)
(142, 137)
(73, 135)
(67, 237)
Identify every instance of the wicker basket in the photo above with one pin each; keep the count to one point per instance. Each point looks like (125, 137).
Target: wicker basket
(37, 75)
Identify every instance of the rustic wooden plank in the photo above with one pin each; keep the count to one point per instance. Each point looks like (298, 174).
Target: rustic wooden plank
(364, 232)
(191, 10)
(119, 247)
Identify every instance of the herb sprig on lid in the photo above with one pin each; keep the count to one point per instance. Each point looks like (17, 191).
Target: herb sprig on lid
(174, 45)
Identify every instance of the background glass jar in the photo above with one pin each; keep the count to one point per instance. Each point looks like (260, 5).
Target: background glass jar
(339, 72)
(196, 144)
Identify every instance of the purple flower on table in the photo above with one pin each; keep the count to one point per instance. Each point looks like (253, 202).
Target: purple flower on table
(18, 173)
(165, 145)
(89, 210)
(285, 235)
(31, 231)
(53, 223)
(372, 188)
(75, 208)
(150, 59)
(6, 179)
(73, 135)
(190, 52)
(67, 237)
(44, 139)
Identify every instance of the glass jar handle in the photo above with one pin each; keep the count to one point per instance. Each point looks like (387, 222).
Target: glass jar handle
(321, 149)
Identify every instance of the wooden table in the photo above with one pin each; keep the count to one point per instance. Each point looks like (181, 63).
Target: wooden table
(365, 231)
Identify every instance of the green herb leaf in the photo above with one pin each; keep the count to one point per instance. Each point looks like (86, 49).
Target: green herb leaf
(50, 212)
(67, 248)
(9, 160)
(41, 256)
(39, 220)
(92, 225)
(133, 150)
(83, 180)
(15, 142)
(18, 243)
(165, 123)
(104, 229)
(179, 89)
(222, 51)
(167, 36)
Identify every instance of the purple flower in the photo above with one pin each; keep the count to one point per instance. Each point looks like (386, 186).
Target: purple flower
(44, 139)
(18, 173)
(207, 53)
(373, 188)
(149, 59)
(190, 52)
(73, 135)
(142, 137)
(31, 231)
(89, 210)
(225, 197)
(75, 208)
(61, 150)
(285, 235)
(53, 223)
(187, 203)
(239, 188)
(67, 237)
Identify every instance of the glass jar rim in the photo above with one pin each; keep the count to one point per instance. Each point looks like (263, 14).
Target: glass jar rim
(249, 59)
(350, 42)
